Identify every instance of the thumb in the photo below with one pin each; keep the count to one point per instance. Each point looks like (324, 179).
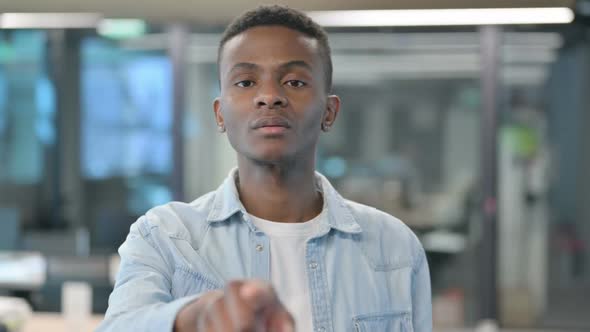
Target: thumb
(281, 321)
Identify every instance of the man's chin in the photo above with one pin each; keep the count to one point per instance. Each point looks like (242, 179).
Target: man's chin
(272, 157)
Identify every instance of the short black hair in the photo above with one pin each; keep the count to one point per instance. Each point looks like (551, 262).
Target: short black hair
(283, 16)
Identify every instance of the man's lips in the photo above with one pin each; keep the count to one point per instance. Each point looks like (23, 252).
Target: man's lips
(271, 122)
(272, 130)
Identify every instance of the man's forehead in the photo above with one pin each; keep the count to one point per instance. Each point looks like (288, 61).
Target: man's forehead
(264, 32)
(261, 42)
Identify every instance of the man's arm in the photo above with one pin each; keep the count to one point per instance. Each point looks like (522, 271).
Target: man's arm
(421, 295)
(141, 299)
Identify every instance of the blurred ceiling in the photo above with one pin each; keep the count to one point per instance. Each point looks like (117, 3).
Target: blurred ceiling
(220, 12)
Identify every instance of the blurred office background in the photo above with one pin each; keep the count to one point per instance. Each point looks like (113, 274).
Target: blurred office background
(476, 136)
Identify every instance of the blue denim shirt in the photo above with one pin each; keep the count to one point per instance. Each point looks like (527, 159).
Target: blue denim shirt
(367, 271)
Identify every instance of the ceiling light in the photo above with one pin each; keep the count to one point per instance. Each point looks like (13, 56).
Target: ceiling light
(442, 17)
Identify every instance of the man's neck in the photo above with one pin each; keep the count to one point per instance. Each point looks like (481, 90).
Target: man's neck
(282, 193)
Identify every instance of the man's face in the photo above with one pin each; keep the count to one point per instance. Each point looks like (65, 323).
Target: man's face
(273, 97)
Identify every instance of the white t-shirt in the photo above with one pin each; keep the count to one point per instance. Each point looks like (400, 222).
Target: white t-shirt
(287, 265)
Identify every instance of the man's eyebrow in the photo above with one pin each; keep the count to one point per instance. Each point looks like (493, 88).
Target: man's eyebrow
(244, 65)
(283, 67)
(296, 63)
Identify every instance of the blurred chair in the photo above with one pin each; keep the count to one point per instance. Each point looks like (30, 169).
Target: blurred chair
(51, 243)
(9, 229)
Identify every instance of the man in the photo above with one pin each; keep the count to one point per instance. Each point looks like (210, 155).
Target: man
(275, 248)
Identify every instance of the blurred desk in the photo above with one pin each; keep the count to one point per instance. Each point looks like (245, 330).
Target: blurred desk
(53, 322)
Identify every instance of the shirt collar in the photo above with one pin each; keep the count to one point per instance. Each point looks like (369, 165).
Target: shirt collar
(227, 203)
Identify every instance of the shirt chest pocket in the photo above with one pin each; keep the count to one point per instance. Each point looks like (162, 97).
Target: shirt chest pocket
(186, 281)
(383, 322)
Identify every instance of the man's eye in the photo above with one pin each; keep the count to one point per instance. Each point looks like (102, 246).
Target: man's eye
(295, 83)
(245, 84)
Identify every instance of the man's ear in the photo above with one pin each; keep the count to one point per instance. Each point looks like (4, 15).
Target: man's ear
(331, 112)
(217, 111)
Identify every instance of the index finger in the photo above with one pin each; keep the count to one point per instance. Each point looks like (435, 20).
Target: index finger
(258, 294)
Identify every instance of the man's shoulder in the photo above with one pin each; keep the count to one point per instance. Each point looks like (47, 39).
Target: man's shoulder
(373, 219)
(387, 241)
(179, 219)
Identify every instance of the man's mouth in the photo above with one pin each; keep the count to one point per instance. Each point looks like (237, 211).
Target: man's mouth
(272, 130)
(271, 123)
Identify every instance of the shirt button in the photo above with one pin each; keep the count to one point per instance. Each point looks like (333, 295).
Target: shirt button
(321, 329)
(313, 266)
(259, 247)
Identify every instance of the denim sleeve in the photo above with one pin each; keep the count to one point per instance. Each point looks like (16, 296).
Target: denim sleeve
(421, 295)
(141, 299)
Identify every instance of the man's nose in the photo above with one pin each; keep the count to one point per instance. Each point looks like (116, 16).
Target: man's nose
(271, 96)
